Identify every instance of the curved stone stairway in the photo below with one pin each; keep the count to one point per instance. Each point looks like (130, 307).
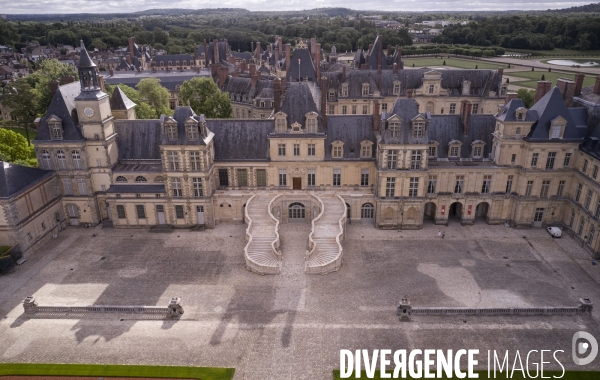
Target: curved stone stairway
(325, 253)
(262, 250)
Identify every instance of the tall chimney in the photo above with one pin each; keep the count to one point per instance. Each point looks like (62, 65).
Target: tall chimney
(395, 68)
(500, 73)
(205, 54)
(277, 93)
(567, 88)
(578, 84)
(252, 69)
(597, 86)
(214, 68)
(101, 83)
(223, 74)
(226, 48)
(324, 101)
(276, 57)
(376, 115)
(252, 49)
(216, 51)
(253, 80)
(542, 89)
(288, 56)
(258, 52)
(466, 110)
(280, 45)
(344, 74)
(131, 44)
(400, 63)
(318, 59)
(53, 86)
(510, 96)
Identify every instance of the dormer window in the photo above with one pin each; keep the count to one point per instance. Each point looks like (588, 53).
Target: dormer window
(365, 89)
(121, 179)
(477, 149)
(296, 128)
(454, 149)
(503, 90)
(262, 104)
(394, 128)
(56, 128)
(557, 127)
(337, 149)
(171, 131)
(192, 132)
(345, 89)
(366, 149)
(466, 87)
(280, 123)
(418, 129)
(331, 96)
(521, 114)
(311, 123)
(396, 88)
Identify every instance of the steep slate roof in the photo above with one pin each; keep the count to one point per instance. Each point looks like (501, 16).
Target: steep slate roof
(240, 87)
(307, 69)
(62, 106)
(509, 111)
(445, 128)
(138, 139)
(549, 107)
(405, 109)
(351, 130)
(297, 103)
(85, 61)
(241, 140)
(373, 55)
(181, 115)
(174, 58)
(16, 178)
(169, 79)
(120, 101)
(221, 47)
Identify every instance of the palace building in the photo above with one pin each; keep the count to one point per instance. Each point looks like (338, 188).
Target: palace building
(395, 168)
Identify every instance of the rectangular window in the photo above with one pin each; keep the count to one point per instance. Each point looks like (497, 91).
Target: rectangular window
(141, 212)
(195, 161)
(396, 88)
(281, 149)
(282, 177)
(595, 172)
(581, 226)
(588, 200)
(365, 151)
(72, 210)
(311, 149)
(477, 152)
(331, 109)
(179, 211)
(82, 186)
(415, 160)
(534, 160)
(76, 160)
(242, 177)
(392, 159)
(296, 149)
(394, 129)
(475, 109)
(585, 165)
(545, 189)
(454, 151)
(68, 186)
(413, 187)
(311, 125)
(518, 131)
(591, 235)
(561, 188)
(555, 132)
(383, 107)
(578, 193)
(365, 110)
(338, 151)
(418, 130)
(597, 211)
(337, 177)
(365, 91)
(176, 186)
(223, 178)
(431, 184)
(344, 110)
(261, 177)
(390, 187)
(458, 186)
(197, 184)
(432, 152)
(550, 160)
(452, 108)
(513, 159)
(509, 183)
(529, 188)
(311, 177)
(364, 177)
(353, 110)
(121, 212)
(539, 214)
(431, 88)
(567, 160)
(173, 161)
(572, 219)
(487, 182)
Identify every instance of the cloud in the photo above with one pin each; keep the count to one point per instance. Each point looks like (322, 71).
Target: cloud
(121, 6)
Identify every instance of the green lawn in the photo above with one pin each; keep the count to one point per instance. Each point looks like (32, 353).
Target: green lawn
(555, 52)
(95, 370)
(551, 76)
(569, 375)
(451, 63)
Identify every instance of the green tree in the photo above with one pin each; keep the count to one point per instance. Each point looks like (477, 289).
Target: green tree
(527, 96)
(156, 96)
(50, 69)
(204, 96)
(13, 146)
(142, 110)
(22, 99)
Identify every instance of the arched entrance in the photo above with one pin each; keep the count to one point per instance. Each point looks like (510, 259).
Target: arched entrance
(296, 212)
(429, 212)
(455, 212)
(481, 212)
(367, 213)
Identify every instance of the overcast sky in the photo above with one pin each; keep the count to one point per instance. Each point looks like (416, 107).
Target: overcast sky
(121, 6)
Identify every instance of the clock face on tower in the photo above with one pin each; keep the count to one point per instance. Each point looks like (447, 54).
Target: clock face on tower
(88, 112)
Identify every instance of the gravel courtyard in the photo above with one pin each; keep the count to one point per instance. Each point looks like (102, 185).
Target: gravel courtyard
(292, 326)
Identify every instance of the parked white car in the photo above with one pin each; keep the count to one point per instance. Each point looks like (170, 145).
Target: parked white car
(554, 232)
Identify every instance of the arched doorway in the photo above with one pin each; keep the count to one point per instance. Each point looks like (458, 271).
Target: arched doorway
(348, 217)
(481, 211)
(367, 213)
(455, 212)
(296, 212)
(429, 212)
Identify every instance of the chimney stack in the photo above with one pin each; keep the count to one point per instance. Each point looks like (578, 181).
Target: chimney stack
(53, 86)
(205, 54)
(542, 89)
(253, 80)
(223, 74)
(376, 116)
(409, 93)
(363, 66)
(395, 68)
(214, 68)
(318, 59)
(465, 114)
(324, 101)
(252, 69)
(500, 73)
(578, 84)
(216, 51)
(400, 63)
(277, 94)
(276, 57)
(567, 88)
(252, 49)
(597, 86)
(101, 83)
(288, 56)
(511, 95)
(258, 52)
(131, 44)
(344, 74)
(279, 45)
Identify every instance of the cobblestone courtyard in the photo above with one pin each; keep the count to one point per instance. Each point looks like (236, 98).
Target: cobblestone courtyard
(292, 326)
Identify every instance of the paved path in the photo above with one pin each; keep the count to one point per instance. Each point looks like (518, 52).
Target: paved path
(539, 64)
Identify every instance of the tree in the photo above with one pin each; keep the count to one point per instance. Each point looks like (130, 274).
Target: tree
(50, 69)
(13, 146)
(156, 96)
(527, 96)
(142, 110)
(204, 96)
(23, 102)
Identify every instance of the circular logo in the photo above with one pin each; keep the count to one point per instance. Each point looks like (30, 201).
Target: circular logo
(582, 341)
(88, 112)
